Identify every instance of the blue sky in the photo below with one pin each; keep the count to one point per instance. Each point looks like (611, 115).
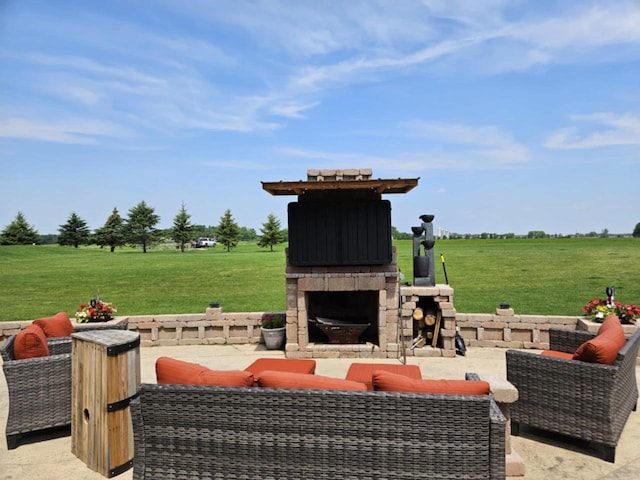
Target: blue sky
(516, 115)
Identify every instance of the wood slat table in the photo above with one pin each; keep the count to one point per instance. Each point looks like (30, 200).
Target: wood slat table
(105, 377)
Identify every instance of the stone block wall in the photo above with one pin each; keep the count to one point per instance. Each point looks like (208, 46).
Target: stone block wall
(502, 329)
(326, 175)
(215, 327)
(508, 330)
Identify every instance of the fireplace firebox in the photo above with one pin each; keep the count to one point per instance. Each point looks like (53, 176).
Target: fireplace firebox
(343, 317)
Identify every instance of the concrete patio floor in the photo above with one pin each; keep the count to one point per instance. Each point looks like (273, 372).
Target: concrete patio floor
(544, 456)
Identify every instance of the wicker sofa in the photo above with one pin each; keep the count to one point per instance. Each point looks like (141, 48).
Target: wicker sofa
(185, 432)
(40, 388)
(588, 401)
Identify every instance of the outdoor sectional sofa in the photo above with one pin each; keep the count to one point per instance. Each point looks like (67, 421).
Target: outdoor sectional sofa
(196, 431)
(40, 388)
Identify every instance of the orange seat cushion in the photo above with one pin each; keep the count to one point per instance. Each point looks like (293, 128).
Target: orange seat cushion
(604, 347)
(392, 382)
(275, 379)
(30, 343)
(363, 372)
(58, 325)
(178, 372)
(557, 354)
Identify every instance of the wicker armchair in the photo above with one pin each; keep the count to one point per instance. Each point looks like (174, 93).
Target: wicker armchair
(40, 388)
(588, 401)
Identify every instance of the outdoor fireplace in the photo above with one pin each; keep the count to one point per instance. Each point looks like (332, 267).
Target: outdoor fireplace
(342, 280)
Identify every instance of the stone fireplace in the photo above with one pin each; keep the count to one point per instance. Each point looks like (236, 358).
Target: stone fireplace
(366, 295)
(343, 294)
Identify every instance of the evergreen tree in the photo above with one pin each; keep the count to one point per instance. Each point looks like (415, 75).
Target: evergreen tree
(19, 232)
(227, 231)
(271, 233)
(112, 232)
(182, 229)
(74, 232)
(636, 231)
(140, 227)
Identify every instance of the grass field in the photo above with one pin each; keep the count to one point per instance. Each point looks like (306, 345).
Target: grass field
(546, 276)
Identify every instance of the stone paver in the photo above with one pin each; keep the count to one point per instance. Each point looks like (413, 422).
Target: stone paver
(544, 457)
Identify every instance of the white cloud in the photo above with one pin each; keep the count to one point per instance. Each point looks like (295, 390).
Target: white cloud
(291, 109)
(482, 146)
(590, 26)
(301, 52)
(87, 66)
(74, 131)
(597, 130)
(450, 147)
(313, 29)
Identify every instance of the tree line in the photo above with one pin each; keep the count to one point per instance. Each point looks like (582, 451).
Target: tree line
(138, 229)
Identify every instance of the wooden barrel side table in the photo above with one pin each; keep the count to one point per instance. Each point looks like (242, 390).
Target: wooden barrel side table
(105, 377)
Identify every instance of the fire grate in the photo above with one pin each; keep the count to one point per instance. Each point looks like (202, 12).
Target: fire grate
(338, 331)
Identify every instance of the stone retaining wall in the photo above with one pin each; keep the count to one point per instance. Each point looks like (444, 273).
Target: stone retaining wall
(505, 329)
(216, 327)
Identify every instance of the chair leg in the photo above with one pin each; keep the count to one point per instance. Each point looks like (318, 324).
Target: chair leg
(609, 453)
(515, 428)
(12, 441)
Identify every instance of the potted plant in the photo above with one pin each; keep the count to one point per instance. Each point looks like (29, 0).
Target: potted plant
(95, 311)
(273, 330)
(598, 309)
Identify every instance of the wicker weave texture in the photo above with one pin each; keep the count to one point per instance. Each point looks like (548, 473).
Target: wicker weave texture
(39, 391)
(185, 432)
(567, 340)
(39, 388)
(584, 400)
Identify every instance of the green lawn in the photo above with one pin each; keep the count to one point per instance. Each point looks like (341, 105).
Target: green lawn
(549, 276)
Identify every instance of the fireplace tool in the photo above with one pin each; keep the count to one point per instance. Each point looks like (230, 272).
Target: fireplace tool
(444, 267)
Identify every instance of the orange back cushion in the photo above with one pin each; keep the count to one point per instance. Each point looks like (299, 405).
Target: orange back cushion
(392, 382)
(30, 343)
(363, 372)
(58, 325)
(275, 379)
(612, 322)
(178, 372)
(604, 347)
